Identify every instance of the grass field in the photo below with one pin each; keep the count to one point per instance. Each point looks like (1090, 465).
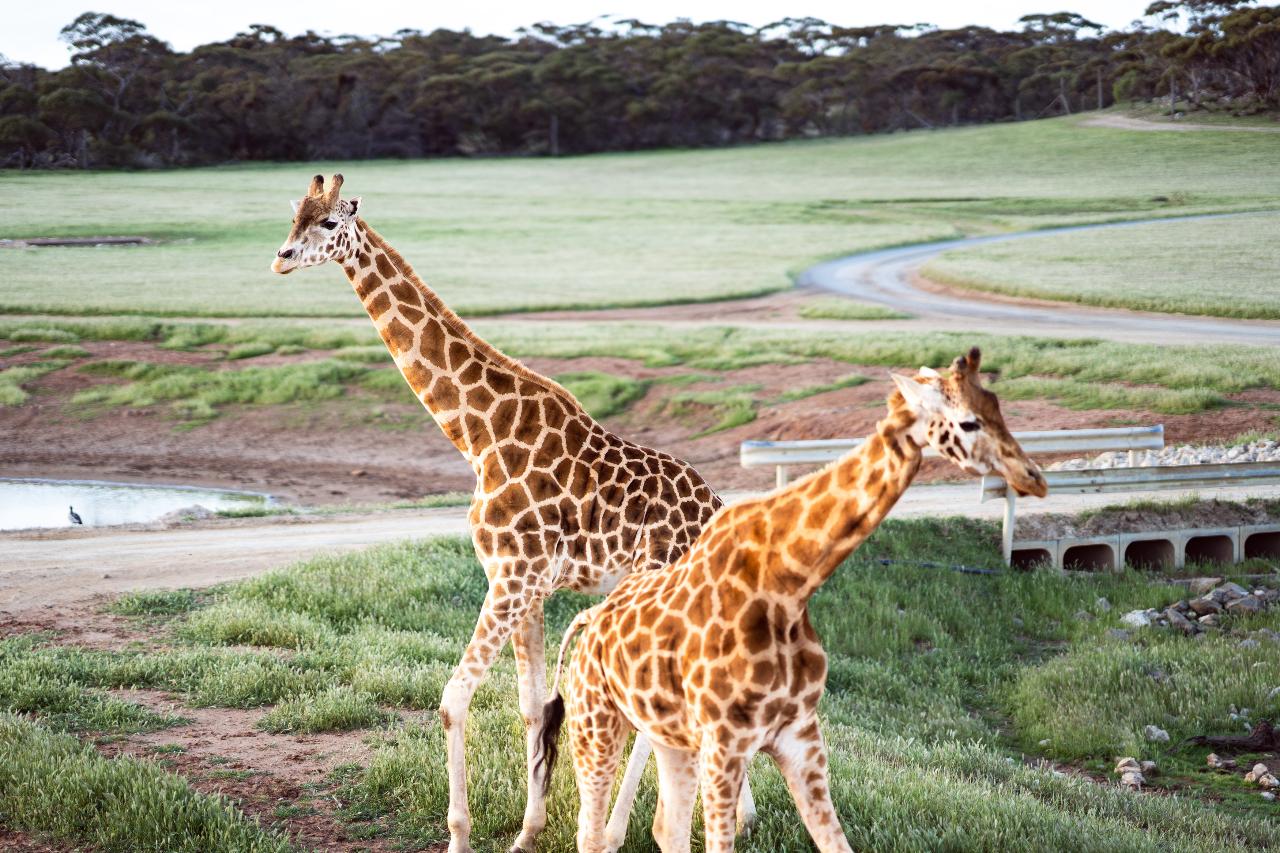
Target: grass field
(643, 228)
(941, 687)
(1219, 267)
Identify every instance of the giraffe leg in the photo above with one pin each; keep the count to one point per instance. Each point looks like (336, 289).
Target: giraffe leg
(802, 757)
(722, 775)
(677, 791)
(529, 643)
(616, 832)
(599, 735)
(498, 618)
(746, 807)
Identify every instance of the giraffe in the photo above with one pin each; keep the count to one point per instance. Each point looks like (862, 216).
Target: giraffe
(560, 502)
(714, 658)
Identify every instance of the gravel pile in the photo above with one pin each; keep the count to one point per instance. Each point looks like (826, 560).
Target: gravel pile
(1266, 450)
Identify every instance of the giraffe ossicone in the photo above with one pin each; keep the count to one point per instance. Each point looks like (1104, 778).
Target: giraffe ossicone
(560, 502)
(714, 659)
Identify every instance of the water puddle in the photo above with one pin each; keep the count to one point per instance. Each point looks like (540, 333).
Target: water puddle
(47, 503)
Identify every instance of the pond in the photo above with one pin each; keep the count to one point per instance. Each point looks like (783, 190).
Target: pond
(45, 503)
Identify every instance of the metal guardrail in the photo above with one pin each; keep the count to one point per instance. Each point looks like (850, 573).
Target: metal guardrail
(784, 454)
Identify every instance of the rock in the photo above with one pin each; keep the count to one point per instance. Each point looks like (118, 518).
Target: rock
(1269, 796)
(1017, 623)
(1249, 643)
(1134, 779)
(1102, 604)
(1148, 768)
(1119, 634)
(1269, 781)
(1228, 592)
(359, 472)
(1259, 770)
(1219, 763)
(1209, 621)
(187, 513)
(1083, 616)
(1156, 734)
(1274, 694)
(1127, 763)
(1204, 605)
(1181, 606)
(1182, 623)
(1136, 619)
(1244, 604)
(1043, 743)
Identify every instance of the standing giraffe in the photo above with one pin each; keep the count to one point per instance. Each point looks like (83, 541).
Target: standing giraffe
(714, 658)
(560, 502)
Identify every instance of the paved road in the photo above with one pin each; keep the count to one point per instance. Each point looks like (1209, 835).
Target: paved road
(887, 277)
(67, 566)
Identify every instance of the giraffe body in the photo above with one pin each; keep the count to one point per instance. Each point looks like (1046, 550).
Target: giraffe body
(560, 502)
(714, 659)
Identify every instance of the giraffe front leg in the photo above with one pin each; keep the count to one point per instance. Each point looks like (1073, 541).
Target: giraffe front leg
(529, 642)
(677, 791)
(722, 775)
(801, 755)
(498, 618)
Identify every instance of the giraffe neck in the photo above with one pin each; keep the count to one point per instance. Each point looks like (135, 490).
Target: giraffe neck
(842, 505)
(456, 375)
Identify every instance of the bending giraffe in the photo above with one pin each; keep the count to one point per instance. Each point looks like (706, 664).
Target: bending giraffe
(714, 658)
(560, 502)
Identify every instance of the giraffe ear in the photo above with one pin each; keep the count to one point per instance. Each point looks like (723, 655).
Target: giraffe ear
(353, 205)
(911, 390)
(929, 373)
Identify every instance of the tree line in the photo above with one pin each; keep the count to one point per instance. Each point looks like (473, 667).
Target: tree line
(128, 100)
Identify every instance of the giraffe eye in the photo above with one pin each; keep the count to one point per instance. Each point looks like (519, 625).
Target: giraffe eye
(969, 426)
(329, 224)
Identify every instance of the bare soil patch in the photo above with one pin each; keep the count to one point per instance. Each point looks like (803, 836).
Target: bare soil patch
(1202, 514)
(364, 448)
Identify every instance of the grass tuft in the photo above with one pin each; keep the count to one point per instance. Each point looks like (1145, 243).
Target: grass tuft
(603, 394)
(339, 708)
(158, 602)
(848, 309)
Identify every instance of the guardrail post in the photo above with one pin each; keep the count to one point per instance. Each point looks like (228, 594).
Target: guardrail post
(1133, 459)
(780, 478)
(1006, 537)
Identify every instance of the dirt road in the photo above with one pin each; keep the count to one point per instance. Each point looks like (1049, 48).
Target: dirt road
(60, 567)
(889, 277)
(1120, 122)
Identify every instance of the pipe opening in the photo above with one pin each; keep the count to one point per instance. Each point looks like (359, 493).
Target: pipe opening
(1262, 546)
(1210, 549)
(1026, 559)
(1089, 558)
(1150, 554)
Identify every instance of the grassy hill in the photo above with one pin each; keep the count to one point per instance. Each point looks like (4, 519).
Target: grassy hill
(625, 229)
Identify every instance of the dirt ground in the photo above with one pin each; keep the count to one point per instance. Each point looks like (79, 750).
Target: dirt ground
(220, 750)
(365, 448)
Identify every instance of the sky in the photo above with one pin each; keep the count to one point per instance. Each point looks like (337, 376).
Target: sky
(30, 30)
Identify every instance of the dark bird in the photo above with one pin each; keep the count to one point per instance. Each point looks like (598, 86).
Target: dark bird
(73, 516)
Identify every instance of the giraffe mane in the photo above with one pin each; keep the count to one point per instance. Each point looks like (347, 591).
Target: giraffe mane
(459, 326)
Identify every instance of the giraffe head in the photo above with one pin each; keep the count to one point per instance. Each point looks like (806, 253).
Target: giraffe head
(324, 228)
(961, 420)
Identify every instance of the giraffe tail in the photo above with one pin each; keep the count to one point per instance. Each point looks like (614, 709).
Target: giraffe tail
(553, 711)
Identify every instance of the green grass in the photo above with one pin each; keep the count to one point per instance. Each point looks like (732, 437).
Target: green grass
(847, 309)
(1208, 267)
(617, 229)
(53, 785)
(333, 709)
(728, 407)
(13, 379)
(603, 394)
(65, 352)
(197, 393)
(939, 682)
(853, 380)
(1077, 394)
(154, 602)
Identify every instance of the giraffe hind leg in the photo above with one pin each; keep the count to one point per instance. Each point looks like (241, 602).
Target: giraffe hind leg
(801, 755)
(529, 643)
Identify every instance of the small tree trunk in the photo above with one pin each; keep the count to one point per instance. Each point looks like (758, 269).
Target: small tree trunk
(554, 135)
(1099, 88)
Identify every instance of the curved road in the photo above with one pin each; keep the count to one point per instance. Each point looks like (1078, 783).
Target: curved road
(887, 277)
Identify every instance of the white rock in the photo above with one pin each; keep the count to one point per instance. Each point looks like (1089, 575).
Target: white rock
(1136, 619)
(1102, 604)
(1269, 796)
(1156, 734)
(1133, 778)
